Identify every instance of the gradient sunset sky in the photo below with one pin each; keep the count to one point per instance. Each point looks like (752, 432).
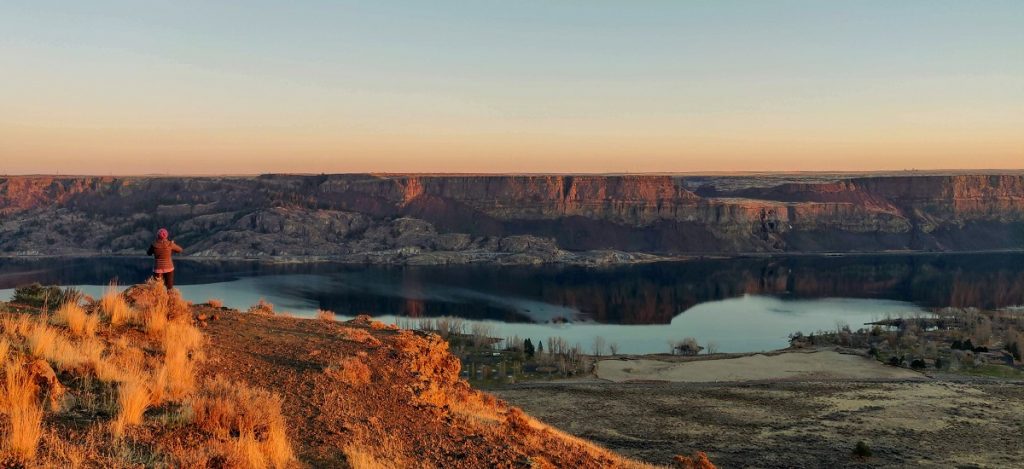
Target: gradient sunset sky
(195, 87)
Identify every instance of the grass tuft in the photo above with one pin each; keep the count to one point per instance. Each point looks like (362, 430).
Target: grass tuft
(19, 402)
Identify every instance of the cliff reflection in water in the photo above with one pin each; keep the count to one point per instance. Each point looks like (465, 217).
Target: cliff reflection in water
(637, 294)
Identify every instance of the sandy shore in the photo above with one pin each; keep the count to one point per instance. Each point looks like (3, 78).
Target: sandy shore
(804, 366)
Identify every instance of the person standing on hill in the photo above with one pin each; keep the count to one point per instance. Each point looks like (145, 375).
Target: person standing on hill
(162, 249)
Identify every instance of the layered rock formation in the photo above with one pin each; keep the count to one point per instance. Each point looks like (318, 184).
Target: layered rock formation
(512, 219)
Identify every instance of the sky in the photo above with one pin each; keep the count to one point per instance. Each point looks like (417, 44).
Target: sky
(525, 86)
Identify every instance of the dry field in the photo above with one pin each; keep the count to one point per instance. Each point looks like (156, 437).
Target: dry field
(789, 413)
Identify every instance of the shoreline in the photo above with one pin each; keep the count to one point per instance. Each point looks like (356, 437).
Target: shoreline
(494, 258)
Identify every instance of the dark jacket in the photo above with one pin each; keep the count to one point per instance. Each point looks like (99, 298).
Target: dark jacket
(162, 249)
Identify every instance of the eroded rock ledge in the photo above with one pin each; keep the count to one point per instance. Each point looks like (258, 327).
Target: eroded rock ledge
(437, 219)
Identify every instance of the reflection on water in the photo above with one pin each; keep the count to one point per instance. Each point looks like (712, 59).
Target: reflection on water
(742, 304)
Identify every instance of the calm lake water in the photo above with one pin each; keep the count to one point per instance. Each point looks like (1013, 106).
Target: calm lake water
(748, 304)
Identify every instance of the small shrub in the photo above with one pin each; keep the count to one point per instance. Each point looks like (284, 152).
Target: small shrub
(325, 315)
(215, 303)
(262, 307)
(153, 298)
(359, 335)
(48, 297)
(250, 418)
(350, 370)
(862, 450)
(917, 364)
(699, 460)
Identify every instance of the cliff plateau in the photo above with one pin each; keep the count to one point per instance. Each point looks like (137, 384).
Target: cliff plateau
(516, 219)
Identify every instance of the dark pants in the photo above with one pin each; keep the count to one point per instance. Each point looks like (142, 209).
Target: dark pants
(168, 278)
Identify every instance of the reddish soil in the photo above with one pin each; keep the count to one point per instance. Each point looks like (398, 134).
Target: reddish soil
(413, 410)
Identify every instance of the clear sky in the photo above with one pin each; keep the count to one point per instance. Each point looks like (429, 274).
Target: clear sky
(128, 87)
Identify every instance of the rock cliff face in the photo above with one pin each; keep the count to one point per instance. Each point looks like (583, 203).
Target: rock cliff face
(513, 219)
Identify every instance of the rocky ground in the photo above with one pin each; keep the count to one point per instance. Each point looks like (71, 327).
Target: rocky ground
(411, 410)
(809, 422)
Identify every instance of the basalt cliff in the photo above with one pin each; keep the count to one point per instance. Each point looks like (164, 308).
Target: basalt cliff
(515, 219)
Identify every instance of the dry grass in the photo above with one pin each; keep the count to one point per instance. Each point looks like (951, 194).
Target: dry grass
(325, 315)
(19, 403)
(359, 335)
(78, 322)
(118, 372)
(351, 371)
(65, 453)
(361, 458)
(245, 451)
(262, 307)
(114, 307)
(155, 319)
(41, 340)
(133, 398)
(158, 305)
(224, 408)
(182, 344)
(215, 303)
(380, 326)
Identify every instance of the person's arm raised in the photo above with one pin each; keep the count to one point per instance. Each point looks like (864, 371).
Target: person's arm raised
(175, 247)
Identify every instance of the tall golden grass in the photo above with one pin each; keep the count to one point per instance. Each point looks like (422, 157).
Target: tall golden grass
(133, 398)
(78, 322)
(114, 307)
(154, 318)
(182, 343)
(41, 340)
(19, 402)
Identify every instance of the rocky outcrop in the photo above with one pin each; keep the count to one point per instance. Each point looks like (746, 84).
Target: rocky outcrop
(513, 219)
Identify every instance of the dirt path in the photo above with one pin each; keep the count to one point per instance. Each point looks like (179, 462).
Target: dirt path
(793, 424)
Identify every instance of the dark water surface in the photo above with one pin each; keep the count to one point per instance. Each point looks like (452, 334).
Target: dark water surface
(746, 304)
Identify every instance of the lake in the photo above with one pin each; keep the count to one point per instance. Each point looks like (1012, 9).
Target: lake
(741, 305)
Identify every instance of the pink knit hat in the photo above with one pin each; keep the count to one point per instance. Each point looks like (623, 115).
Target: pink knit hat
(162, 233)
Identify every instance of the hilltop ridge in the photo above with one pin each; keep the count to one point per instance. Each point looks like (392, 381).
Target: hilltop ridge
(145, 379)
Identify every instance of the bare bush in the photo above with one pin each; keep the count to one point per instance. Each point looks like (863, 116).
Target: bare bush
(482, 334)
(599, 344)
(325, 315)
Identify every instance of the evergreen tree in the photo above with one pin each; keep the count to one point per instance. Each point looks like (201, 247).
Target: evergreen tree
(528, 347)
